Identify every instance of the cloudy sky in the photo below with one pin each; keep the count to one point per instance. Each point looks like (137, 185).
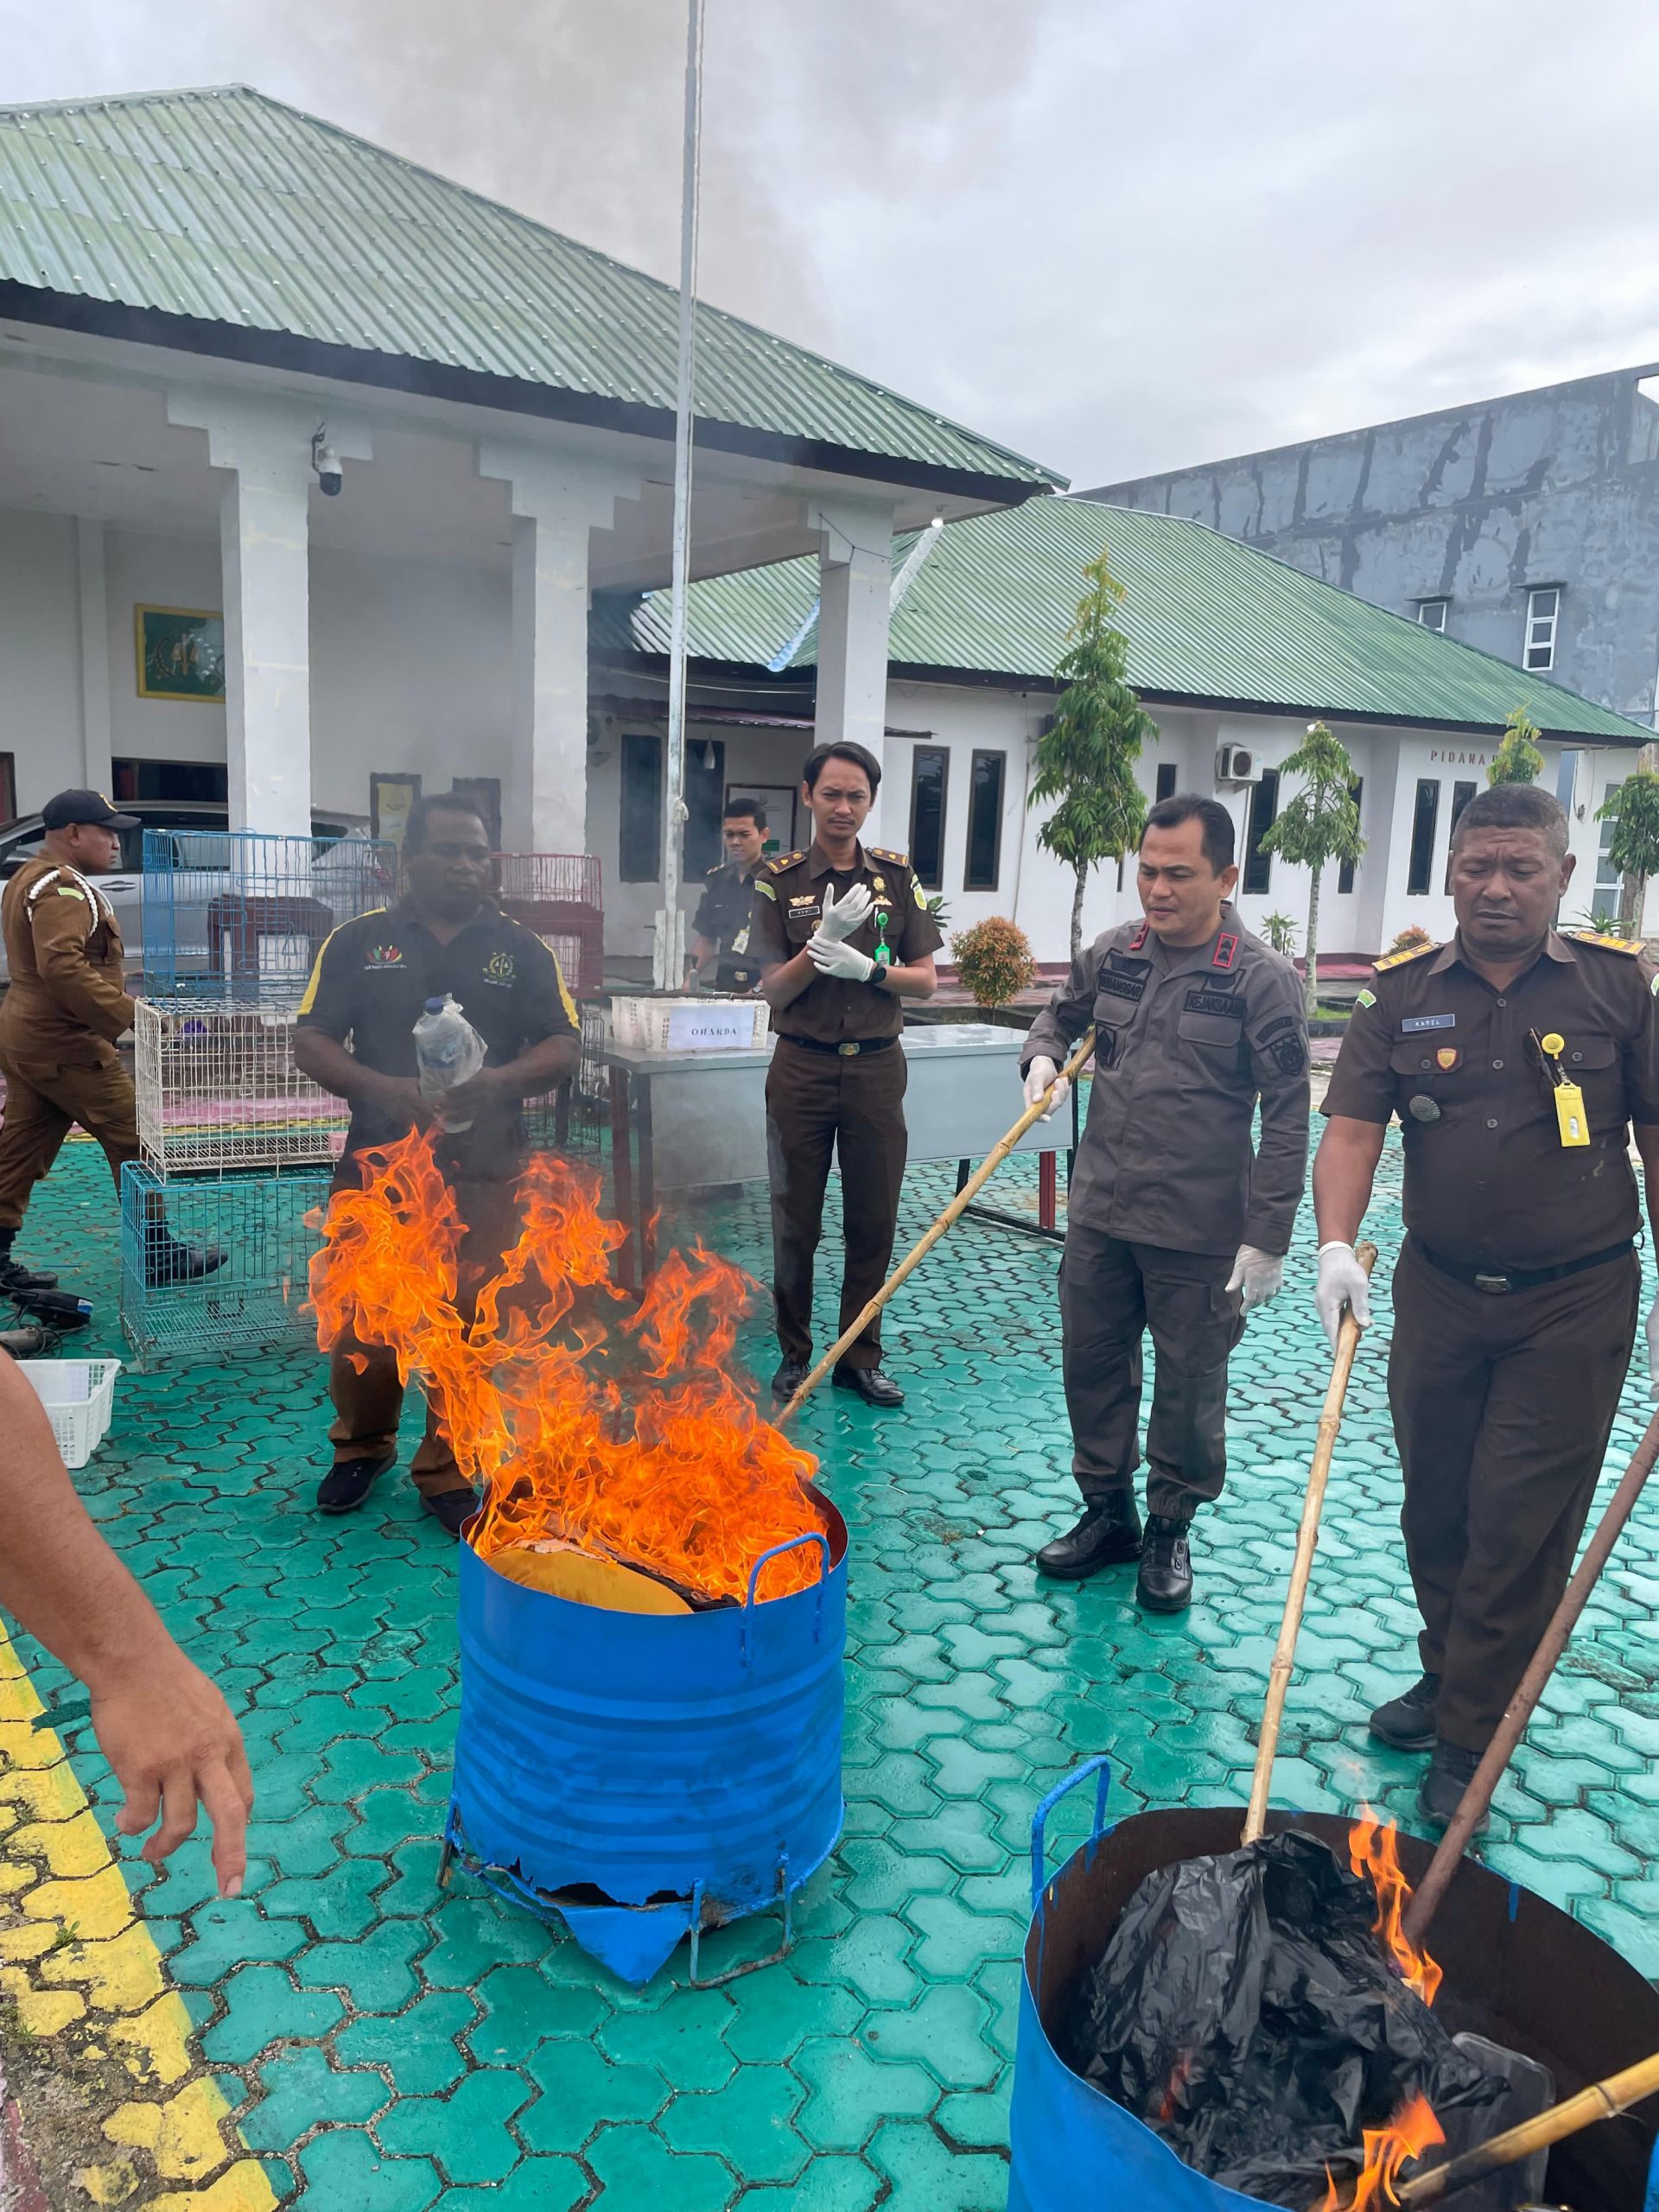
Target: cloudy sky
(1120, 235)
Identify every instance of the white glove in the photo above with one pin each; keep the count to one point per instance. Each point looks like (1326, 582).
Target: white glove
(1342, 1281)
(837, 922)
(1653, 1351)
(831, 958)
(1041, 1072)
(1257, 1274)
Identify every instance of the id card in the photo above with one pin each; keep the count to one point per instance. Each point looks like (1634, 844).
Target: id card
(1570, 1115)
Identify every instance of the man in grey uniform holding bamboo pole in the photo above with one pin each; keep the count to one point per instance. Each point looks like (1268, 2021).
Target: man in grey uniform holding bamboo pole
(1174, 1223)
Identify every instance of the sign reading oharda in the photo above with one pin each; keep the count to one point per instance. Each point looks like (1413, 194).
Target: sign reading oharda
(1459, 759)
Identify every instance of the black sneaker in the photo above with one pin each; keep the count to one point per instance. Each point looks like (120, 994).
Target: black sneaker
(789, 1378)
(1407, 1722)
(874, 1385)
(451, 1509)
(1108, 1534)
(167, 1261)
(1165, 1582)
(348, 1481)
(1450, 1772)
(15, 1279)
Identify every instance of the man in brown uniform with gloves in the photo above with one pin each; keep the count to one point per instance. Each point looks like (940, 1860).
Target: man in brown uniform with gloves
(66, 1005)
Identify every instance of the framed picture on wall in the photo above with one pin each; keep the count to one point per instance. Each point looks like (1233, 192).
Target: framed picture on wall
(180, 653)
(390, 797)
(778, 799)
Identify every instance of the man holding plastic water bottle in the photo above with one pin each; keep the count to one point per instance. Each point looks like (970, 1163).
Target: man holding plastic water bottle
(378, 981)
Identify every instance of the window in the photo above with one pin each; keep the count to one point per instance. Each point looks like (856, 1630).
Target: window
(7, 787)
(1431, 612)
(1543, 611)
(702, 847)
(172, 780)
(640, 858)
(1424, 821)
(1567, 779)
(986, 780)
(1461, 795)
(1264, 811)
(1346, 871)
(1604, 905)
(929, 772)
(1165, 787)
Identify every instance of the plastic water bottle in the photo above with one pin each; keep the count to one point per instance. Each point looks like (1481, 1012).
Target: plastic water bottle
(447, 1050)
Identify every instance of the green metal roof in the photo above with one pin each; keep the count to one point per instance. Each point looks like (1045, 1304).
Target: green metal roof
(1206, 618)
(234, 211)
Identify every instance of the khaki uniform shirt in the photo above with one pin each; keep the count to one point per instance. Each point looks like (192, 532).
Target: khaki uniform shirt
(66, 1004)
(788, 903)
(1187, 1038)
(1488, 1180)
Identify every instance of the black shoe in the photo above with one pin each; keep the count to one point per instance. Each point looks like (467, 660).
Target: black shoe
(1450, 1772)
(348, 1481)
(452, 1510)
(1108, 1534)
(1408, 1722)
(789, 1378)
(1165, 1582)
(873, 1384)
(167, 1261)
(14, 1278)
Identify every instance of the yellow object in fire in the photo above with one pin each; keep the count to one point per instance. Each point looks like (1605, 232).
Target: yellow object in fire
(586, 1580)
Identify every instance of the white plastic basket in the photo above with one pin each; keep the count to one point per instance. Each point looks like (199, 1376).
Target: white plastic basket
(78, 1395)
(710, 1023)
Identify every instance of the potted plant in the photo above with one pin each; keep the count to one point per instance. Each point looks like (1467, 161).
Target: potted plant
(993, 960)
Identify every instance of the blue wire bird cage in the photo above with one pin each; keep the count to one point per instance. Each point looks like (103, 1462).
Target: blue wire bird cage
(232, 914)
(263, 1226)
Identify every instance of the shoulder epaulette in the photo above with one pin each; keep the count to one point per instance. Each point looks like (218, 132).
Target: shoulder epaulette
(784, 860)
(1399, 959)
(893, 860)
(719, 868)
(1631, 945)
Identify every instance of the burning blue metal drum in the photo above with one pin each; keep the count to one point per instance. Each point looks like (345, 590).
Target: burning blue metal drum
(1517, 1970)
(647, 1776)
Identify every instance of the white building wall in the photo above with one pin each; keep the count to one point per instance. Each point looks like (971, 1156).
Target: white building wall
(39, 654)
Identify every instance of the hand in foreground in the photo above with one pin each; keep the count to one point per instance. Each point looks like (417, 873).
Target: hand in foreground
(841, 917)
(831, 958)
(1653, 1351)
(1039, 1076)
(169, 1736)
(1342, 1281)
(1256, 1275)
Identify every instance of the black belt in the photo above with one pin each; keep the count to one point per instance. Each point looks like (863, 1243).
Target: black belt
(1496, 1281)
(849, 1050)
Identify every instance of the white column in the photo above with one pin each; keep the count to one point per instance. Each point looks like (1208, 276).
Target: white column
(96, 773)
(854, 589)
(557, 501)
(263, 444)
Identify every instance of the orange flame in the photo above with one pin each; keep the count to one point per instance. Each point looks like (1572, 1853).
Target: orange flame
(1414, 2130)
(1373, 1854)
(677, 1474)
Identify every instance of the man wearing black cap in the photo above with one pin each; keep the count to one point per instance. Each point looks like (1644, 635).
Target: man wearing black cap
(65, 1007)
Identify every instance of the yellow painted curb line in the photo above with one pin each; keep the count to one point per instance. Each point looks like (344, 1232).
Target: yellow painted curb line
(77, 1961)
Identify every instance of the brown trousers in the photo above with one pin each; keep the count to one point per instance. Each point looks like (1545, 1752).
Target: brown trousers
(820, 1103)
(363, 1379)
(43, 1102)
(1503, 1406)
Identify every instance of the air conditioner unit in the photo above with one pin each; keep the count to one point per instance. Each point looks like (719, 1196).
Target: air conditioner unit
(1237, 764)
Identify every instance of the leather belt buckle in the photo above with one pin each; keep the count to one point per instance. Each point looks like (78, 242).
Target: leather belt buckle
(847, 1051)
(1495, 1286)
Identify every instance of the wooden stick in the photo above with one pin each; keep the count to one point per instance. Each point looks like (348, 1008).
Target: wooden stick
(925, 1244)
(1308, 1537)
(1478, 1796)
(1601, 2101)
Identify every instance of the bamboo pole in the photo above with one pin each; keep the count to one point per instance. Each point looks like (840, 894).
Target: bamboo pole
(925, 1243)
(1478, 1796)
(1601, 2101)
(1308, 1537)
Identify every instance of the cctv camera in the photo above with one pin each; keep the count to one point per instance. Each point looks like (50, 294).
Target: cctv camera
(326, 461)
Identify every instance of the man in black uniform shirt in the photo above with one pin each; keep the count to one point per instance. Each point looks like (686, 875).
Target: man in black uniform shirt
(355, 1036)
(843, 934)
(720, 926)
(1518, 1060)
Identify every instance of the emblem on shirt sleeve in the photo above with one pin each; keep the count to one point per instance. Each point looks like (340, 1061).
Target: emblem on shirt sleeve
(1289, 1055)
(765, 890)
(1369, 998)
(917, 892)
(1446, 1057)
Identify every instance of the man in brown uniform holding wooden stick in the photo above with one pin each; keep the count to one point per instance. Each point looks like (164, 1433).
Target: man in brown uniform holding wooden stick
(1517, 1060)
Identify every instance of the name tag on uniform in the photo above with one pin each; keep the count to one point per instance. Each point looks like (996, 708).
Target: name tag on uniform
(1202, 1001)
(1120, 987)
(1416, 1022)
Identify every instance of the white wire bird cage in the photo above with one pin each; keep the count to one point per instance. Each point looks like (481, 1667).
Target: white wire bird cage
(218, 1090)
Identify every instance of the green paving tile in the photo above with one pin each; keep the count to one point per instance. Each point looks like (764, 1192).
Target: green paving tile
(681, 2038)
(419, 2048)
(535, 2185)
(851, 2090)
(302, 2091)
(635, 2167)
(467, 2132)
(344, 2168)
(263, 2004)
(580, 2092)
(747, 2123)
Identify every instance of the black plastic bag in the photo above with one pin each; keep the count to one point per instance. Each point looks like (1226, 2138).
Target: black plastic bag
(1246, 2012)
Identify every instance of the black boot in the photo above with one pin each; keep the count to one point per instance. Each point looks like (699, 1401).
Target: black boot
(167, 1261)
(1108, 1534)
(789, 1378)
(14, 1276)
(1450, 1772)
(1165, 1582)
(1408, 1721)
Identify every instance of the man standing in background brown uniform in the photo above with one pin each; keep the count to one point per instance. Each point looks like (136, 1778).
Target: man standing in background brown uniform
(67, 1005)
(1517, 1060)
(842, 935)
